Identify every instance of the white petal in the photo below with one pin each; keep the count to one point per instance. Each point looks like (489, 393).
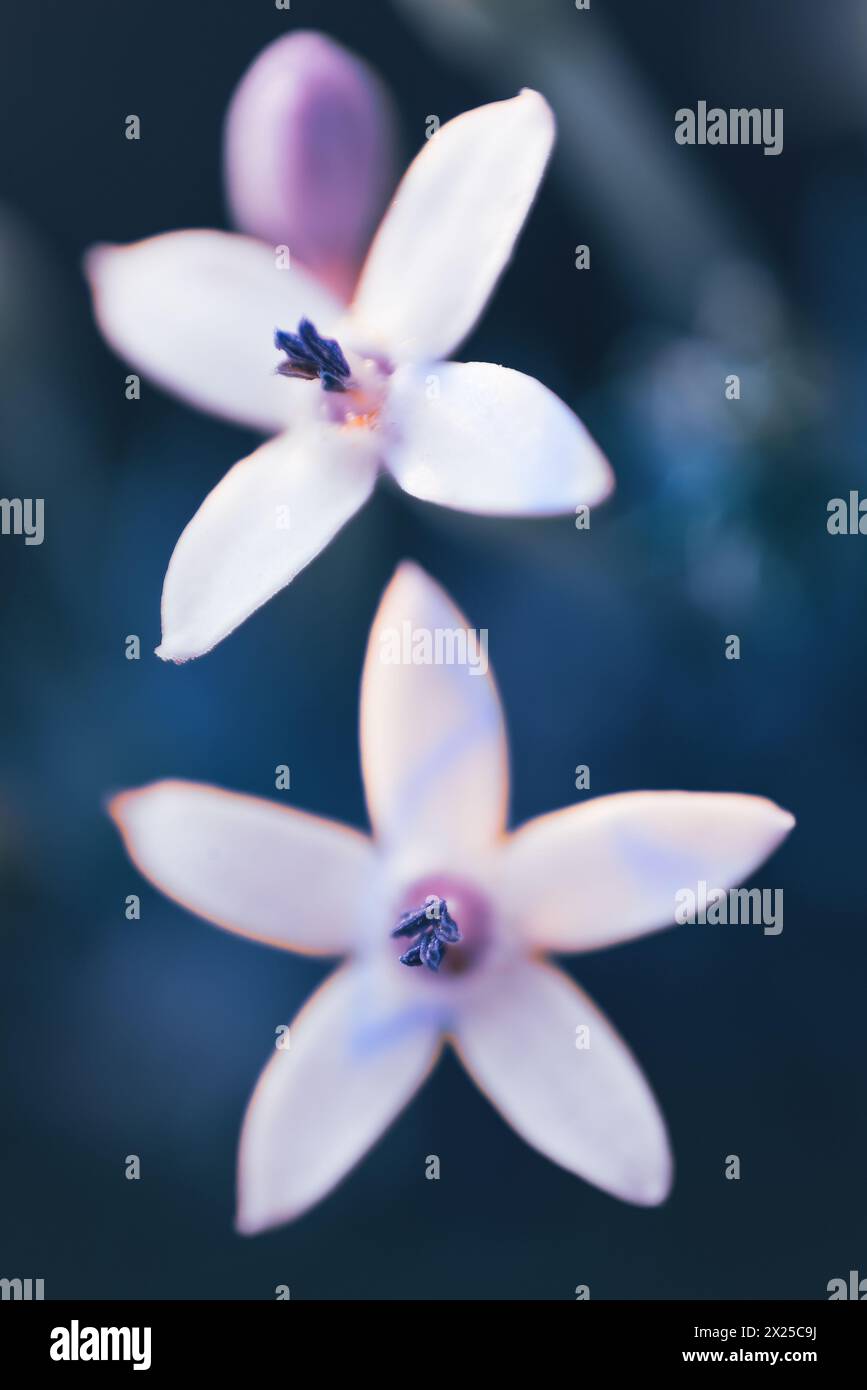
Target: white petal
(488, 439)
(321, 1103)
(610, 870)
(588, 1108)
(265, 871)
(269, 517)
(451, 228)
(196, 312)
(433, 745)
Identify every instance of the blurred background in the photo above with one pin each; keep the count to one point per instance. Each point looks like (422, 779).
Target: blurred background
(146, 1037)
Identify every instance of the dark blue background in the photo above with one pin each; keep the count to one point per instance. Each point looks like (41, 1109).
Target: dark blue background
(147, 1037)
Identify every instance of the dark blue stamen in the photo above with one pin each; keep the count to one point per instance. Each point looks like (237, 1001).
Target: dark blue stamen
(330, 382)
(431, 951)
(447, 930)
(412, 956)
(434, 928)
(309, 357)
(411, 923)
(326, 350)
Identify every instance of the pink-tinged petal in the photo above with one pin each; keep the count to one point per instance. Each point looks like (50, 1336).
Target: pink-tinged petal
(586, 1107)
(322, 1102)
(451, 228)
(610, 870)
(310, 154)
(433, 743)
(268, 518)
(196, 312)
(489, 439)
(280, 876)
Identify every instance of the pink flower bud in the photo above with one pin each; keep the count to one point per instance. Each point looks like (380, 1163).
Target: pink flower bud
(309, 154)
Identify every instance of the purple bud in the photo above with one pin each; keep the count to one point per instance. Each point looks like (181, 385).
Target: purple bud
(309, 154)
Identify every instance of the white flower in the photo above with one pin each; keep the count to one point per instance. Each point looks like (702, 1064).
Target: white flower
(198, 310)
(435, 769)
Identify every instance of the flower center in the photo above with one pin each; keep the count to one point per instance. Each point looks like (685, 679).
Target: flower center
(434, 930)
(355, 386)
(310, 357)
(452, 914)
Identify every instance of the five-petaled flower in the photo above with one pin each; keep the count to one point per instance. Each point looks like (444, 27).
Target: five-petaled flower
(198, 311)
(434, 763)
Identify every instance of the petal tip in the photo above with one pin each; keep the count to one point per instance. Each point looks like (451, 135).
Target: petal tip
(113, 804)
(121, 811)
(606, 481)
(530, 96)
(780, 822)
(649, 1179)
(654, 1188)
(94, 257)
(410, 570)
(246, 1225)
(119, 806)
(172, 651)
(411, 590)
(252, 1218)
(408, 576)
